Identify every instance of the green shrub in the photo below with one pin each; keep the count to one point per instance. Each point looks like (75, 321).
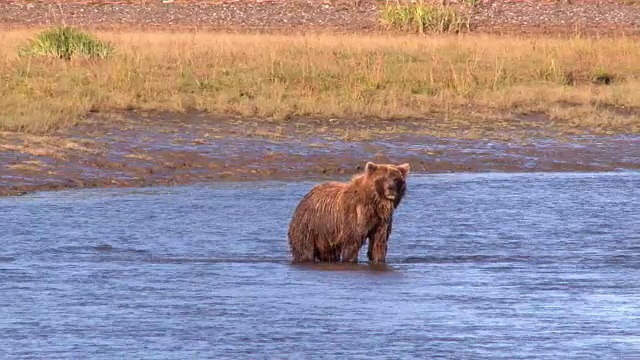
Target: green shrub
(424, 18)
(66, 42)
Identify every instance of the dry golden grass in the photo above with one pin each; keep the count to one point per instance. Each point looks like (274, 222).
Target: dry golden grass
(467, 80)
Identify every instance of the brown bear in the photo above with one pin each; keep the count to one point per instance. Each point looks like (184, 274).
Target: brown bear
(333, 220)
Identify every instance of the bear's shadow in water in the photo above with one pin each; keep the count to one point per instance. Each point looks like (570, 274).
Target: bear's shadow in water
(341, 266)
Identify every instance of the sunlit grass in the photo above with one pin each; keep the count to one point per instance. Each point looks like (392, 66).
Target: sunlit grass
(423, 17)
(469, 80)
(66, 42)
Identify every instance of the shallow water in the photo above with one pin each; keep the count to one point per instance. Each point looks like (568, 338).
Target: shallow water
(482, 266)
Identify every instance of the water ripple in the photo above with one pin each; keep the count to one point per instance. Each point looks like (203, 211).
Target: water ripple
(480, 266)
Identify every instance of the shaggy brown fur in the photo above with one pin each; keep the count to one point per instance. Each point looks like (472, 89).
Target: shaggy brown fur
(333, 220)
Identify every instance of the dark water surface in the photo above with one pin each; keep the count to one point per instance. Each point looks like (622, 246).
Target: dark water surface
(482, 266)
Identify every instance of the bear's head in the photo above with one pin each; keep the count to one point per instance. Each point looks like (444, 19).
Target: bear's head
(389, 180)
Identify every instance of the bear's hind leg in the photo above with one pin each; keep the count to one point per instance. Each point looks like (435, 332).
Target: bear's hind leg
(303, 258)
(302, 251)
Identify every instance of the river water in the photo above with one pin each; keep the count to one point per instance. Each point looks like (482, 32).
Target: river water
(481, 266)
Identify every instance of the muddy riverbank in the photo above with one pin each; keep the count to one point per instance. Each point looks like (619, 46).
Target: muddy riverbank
(133, 149)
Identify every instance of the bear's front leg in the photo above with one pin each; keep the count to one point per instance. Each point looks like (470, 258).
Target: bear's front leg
(378, 240)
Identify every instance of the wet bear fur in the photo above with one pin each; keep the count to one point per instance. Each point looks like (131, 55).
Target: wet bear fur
(334, 219)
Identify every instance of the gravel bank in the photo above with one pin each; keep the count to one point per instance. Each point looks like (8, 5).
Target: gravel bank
(562, 16)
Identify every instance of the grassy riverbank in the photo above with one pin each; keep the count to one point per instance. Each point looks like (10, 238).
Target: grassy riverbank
(470, 80)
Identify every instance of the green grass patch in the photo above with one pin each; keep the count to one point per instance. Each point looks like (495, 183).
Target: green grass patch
(424, 18)
(65, 42)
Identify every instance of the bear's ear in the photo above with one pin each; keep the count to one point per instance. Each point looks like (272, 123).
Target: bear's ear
(370, 167)
(404, 169)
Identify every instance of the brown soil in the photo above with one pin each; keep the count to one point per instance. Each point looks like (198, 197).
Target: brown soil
(601, 17)
(165, 149)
